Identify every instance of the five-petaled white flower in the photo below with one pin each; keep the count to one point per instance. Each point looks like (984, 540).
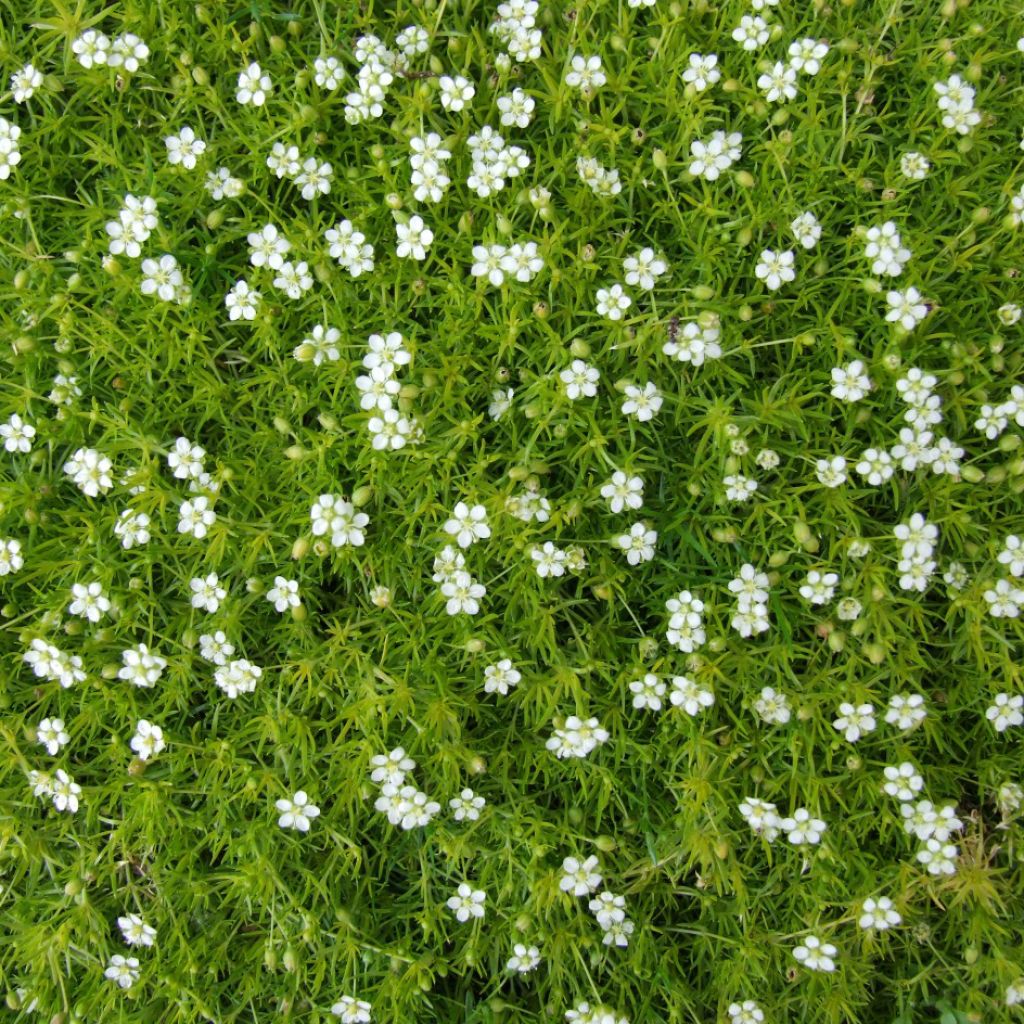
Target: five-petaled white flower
(296, 813)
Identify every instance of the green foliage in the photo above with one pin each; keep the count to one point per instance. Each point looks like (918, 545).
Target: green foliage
(255, 922)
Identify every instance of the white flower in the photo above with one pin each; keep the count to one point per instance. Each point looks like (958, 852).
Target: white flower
(242, 301)
(148, 740)
(938, 857)
(313, 178)
(352, 1011)
(647, 692)
(690, 696)
(414, 239)
(284, 594)
(284, 160)
(184, 148)
(128, 51)
(1015, 990)
(455, 92)
(350, 248)
(89, 601)
(902, 781)
(328, 72)
(123, 971)
(642, 403)
(580, 380)
(391, 768)
(25, 82)
(162, 278)
(761, 816)
(906, 308)
(92, 48)
(702, 71)
(196, 517)
(1006, 711)
(775, 269)
(331, 515)
(215, 647)
(855, 721)
(802, 829)
(773, 707)
(806, 230)
(1012, 555)
(50, 733)
(516, 109)
(850, 383)
(906, 710)
(580, 878)
(819, 587)
(294, 279)
(876, 466)
(237, 677)
(585, 74)
(207, 593)
(751, 33)
(466, 806)
(17, 434)
(779, 84)
(462, 593)
(747, 1012)
(549, 560)
(914, 166)
(806, 55)
(253, 86)
(638, 543)
(831, 472)
(501, 402)
(488, 261)
(738, 487)
(816, 955)
(501, 677)
(523, 959)
(321, 345)
(135, 930)
(1004, 599)
(141, 667)
(468, 525)
(65, 792)
(612, 302)
(623, 491)
(467, 902)
(296, 813)
(577, 737)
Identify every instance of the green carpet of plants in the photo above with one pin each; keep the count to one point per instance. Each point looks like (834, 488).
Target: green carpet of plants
(512, 512)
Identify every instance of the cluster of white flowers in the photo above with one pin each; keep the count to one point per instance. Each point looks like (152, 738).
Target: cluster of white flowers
(685, 629)
(59, 788)
(751, 590)
(801, 828)
(403, 804)
(493, 161)
(715, 154)
(520, 260)
(460, 590)
(885, 249)
(237, 677)
(916, 565)
(516, 28)
(576, 737)
(50, 662)
(334, 517)
(94, 49)
(141, 667)
(136, 220)
(10, 154)
(956, 101)
(377, 65)
(90, 471)
(602, 181)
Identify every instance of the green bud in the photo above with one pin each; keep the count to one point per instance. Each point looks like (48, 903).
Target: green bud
(702, 292)
(745, 179)
(361, 495)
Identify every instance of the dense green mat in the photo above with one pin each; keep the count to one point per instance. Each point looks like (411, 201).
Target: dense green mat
(511, 514)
